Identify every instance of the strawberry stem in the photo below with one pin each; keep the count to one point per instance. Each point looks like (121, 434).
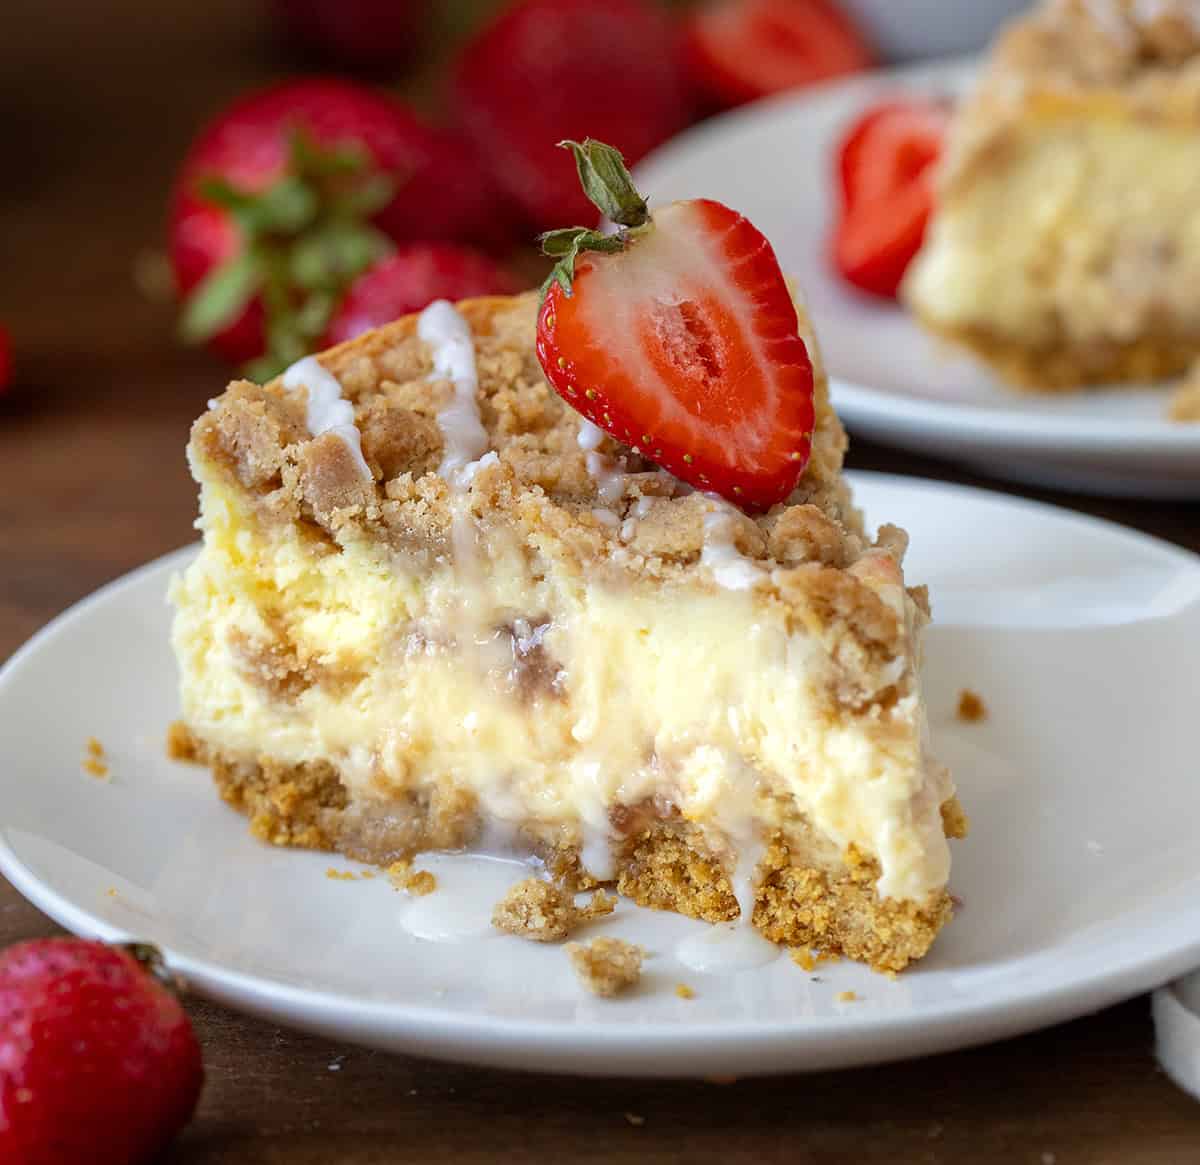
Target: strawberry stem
(607, 182)
(609, 188)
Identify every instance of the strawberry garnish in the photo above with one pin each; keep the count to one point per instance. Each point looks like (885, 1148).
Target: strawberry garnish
(98, 1062)
(678, 336)
(885, 174)
(410, 280)
(740, 50)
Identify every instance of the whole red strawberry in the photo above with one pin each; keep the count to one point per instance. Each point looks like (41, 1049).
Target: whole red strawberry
(544, 70)
(5, 360)
(409, 280)
(98, 1062)
(678, 336)
(291, 193)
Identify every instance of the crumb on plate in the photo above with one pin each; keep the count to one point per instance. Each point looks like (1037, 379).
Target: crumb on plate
(420, 882)
(94, 761)
(544, 912)
(971, 708)
(181, 744)
(684, 991)
(846, 997)
(606, 966)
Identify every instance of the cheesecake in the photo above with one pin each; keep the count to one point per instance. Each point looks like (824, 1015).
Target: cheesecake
(575, 575)
(435, 609)
(1064, 250)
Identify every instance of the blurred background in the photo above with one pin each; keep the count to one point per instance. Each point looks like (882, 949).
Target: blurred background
(138, 172)
(100, 104)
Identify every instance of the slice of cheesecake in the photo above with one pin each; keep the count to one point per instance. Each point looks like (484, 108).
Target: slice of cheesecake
(1065, 249)
(435, 609)
(438, 608)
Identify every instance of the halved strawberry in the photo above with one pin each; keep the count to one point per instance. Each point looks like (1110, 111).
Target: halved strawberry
(678, 336)
(740, 50)
(885, 171)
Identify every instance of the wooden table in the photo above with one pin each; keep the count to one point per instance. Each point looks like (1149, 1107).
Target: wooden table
(97, 102)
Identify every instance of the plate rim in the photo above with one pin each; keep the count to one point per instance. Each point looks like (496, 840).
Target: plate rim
(915, 415)
(653, 1048)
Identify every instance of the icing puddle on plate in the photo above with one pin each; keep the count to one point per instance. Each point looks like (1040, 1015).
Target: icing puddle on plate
(470, 884)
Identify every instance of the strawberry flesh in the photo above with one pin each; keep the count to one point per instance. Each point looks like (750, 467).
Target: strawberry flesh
(885, 173)
(685, 345)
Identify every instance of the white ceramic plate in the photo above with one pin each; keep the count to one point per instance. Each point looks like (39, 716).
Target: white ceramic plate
(891, 382)
(1081, 882)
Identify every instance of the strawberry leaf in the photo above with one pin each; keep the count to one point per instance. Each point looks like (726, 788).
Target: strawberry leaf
(220, 298)
(304, 239)
(607, 183)
(566, 244)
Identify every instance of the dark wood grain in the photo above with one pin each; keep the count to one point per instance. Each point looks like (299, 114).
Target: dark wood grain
(97, 102)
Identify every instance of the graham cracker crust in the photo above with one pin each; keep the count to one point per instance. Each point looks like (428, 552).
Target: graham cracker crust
(805, 894)
(1065, 366)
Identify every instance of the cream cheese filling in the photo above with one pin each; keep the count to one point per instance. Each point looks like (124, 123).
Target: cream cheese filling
(550, 696)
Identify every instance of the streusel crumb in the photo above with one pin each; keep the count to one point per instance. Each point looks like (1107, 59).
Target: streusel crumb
(181, 744)
(971, 708)
(846, 997)
(94, 762)
(1184, 403)
(684, 991)
(803, 958)
(420, 882)
(606, 966)
(544, 912)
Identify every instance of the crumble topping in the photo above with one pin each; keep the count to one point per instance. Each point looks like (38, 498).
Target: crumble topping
(544, 912)
(536, 487)
(95, 763)
(606, 966)
(640, 520)
(971, 708)
(684, 991)
(846, 997)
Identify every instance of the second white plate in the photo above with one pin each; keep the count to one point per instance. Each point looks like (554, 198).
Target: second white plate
(773, 162)
(1080, 882)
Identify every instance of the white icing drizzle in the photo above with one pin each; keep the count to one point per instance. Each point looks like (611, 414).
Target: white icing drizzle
(604, 471)
(606, 518)
(464, 438)
(328, 410)
(724, 948)
(730, 568)
(590, 435)
(466, 475)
